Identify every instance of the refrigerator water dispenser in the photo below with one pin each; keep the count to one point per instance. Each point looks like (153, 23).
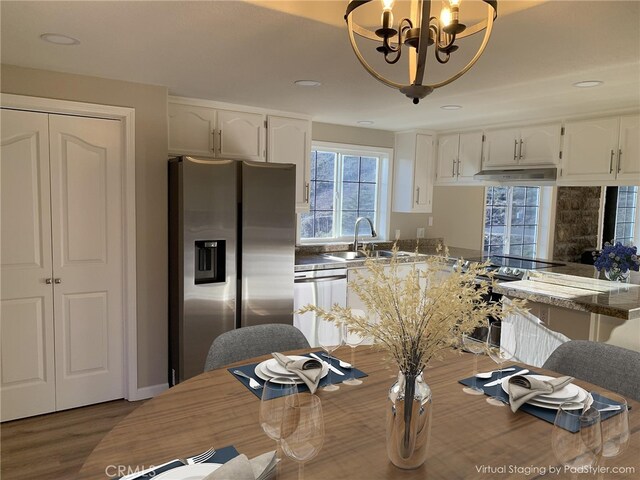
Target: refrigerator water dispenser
(210, 255)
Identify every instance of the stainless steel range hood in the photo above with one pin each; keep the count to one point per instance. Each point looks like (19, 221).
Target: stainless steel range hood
(513, 175)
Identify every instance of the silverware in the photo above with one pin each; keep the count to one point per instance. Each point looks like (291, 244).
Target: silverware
(202, 457)
(342, 363)
(252, 382)
(331, 367)
(490, 374)
(496, 382)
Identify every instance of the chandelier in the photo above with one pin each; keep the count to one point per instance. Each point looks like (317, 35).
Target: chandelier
(417, 34)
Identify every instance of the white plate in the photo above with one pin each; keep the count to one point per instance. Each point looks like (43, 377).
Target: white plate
(568, 392)
(272, 366)
(264, 374)
(554, 406)
(189, 472)
(580, 397)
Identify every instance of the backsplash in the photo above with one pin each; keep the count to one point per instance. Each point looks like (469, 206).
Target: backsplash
(403, 245)
(577, 217)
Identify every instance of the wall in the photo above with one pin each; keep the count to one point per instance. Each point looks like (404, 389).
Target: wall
(577, 221)
(150, 103)
(457, 216)
(407, 223)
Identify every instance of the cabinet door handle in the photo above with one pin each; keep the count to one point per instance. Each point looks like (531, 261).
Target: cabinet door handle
(453, 167)
(57, 281)
(520, 155)
(306, 192)
(48, 281)
(619, 160)
(458, 168)
(417, 195)
(213, 141)
(515, 149)
(611, 163)
(220, 142)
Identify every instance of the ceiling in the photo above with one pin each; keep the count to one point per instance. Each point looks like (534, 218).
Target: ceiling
(251, 52)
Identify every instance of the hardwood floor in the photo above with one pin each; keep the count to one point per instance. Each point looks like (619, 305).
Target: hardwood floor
(56, 445)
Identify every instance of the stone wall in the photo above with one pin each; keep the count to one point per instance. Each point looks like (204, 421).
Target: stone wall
(577, 217)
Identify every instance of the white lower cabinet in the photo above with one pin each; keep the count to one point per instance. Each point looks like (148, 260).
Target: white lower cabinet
(61, 302)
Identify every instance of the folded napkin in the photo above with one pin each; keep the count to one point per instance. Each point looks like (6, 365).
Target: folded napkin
(309, 369)
(241, 468)
(522, 388)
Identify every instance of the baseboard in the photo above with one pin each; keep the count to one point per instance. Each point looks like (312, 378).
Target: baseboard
(148, 392)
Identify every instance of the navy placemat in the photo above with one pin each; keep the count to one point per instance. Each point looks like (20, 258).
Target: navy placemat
(222, 455)
(335, 378)
(545, 414)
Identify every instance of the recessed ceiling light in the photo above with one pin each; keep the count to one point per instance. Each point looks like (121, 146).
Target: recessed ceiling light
(59, 39)
(451, 107)
(365, 122)
(588, 83)
(307, 83)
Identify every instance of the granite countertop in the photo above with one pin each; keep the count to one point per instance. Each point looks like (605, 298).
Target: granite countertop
(574, 286)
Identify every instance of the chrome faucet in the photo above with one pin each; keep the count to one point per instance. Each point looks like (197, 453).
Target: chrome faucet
(355, 231)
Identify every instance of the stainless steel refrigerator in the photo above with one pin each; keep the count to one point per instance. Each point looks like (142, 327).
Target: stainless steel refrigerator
(231, 253)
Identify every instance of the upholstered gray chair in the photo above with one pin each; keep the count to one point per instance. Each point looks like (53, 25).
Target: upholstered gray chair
(614, 368)
(248, 342)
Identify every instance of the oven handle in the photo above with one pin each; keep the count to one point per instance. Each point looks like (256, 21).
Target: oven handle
(320, 279)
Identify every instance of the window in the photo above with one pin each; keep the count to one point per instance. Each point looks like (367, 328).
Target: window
(626, 214)
(511, 221)
(346, 183)
(621, 215)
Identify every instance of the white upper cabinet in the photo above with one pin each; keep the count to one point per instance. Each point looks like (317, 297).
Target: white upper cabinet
(289, 141)
(601, 150)
(204, 131)
(459, 158)
(629, 149)
(525, 146)
(413, 173)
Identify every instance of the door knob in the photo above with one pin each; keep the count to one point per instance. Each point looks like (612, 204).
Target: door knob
(57, 280)
(48, 281)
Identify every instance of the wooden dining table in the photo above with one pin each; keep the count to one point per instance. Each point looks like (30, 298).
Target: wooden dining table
(470, 439)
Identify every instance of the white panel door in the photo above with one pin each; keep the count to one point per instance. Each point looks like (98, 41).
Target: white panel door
(191, 130)
(589, 150)
(423, 173)
(501, 148)
(26, 314)
(540, 145)
(447, 159)
(629, 151)
(290, 142)
(241, 135)
(86, 201)
(469, 156)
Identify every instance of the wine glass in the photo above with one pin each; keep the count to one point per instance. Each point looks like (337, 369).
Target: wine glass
(275, 393)
(329, 338)
(583, 448)
(501, 346)
(475, 344)
(615, 430)
(302, 429)
(352, 339)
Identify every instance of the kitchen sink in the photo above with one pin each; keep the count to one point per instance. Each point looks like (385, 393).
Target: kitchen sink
(349, 256)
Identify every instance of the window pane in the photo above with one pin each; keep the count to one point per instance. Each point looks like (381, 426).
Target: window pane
(517, 215)
(530, 235)
(489, 199)
(350, 196)
(368, 169)
(323, 224)
(325, 165)
(532, 196)
(312, 196)
(500, 195)
(487, 217)
(528, 251)
(313, 165)
(348, 222)
(519, 195)
(496, 250)
(364, 226)
(498, 216)
(306, 225)
(367, 198)
(515, 250)
(517, 233)
(531, 216)
(350, 168)
(324, 196)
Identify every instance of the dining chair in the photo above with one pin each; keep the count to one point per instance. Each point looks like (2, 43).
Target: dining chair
(249, 342)
(611, 367)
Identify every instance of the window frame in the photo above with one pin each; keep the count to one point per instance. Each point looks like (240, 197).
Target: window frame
(383, 190)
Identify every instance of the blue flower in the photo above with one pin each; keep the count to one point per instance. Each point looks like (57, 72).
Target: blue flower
(617, 257)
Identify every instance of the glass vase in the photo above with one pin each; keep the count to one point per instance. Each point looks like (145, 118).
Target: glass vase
(408, 421)
(616, 275)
